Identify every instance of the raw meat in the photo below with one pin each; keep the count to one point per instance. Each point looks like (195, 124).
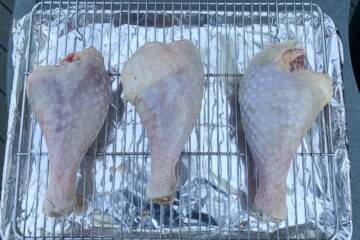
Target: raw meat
(279, 101)
(70, 101)
(165, 82)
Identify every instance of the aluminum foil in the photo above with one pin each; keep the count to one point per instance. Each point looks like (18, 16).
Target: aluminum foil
(214, 192)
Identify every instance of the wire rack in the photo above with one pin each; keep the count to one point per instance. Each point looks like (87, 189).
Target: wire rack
(214, 153)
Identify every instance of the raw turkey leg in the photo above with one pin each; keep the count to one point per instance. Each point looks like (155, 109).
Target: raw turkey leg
(279, 102)
(165, 82)
(70, 102)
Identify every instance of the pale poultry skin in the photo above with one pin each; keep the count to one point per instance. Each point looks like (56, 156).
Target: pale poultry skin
(165, 82)
(70, 101)
(279, 102)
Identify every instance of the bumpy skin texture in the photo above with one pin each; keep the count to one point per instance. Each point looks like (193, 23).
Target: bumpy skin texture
(165, 82)
(105, 137)
(70, 102)
(279, 101)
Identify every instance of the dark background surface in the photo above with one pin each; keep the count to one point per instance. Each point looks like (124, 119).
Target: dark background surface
(6, 10)
(339, 10)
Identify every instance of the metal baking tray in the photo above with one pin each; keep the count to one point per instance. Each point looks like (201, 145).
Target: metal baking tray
(212, 200)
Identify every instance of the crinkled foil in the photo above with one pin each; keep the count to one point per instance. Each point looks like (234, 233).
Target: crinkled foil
(213, 197)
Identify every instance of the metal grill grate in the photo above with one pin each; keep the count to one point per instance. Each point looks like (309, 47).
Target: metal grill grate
(214, 162)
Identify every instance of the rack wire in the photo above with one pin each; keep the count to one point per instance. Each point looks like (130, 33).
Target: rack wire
(216, 145)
